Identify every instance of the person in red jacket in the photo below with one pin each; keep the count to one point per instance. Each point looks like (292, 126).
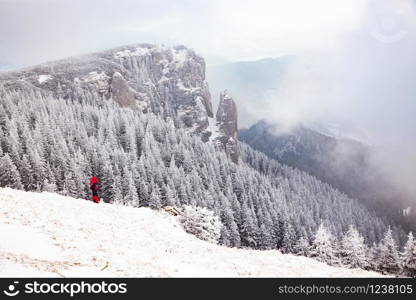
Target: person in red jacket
(94, 189)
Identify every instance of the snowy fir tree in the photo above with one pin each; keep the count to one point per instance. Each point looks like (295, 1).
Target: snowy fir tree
(201, 222)
(9, 175)
(323, 246)
(408, 257)
(353, 250)
(373, 255)
(302, 247)
(388, 256)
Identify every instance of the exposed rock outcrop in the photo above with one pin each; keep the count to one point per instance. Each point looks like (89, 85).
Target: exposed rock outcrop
(227, 115)
(227, 120)
(121, 92)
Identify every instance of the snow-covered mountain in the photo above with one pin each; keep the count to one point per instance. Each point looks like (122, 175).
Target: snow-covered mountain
(165, 80)
(140, 119)
(168, 81)
(73, 237)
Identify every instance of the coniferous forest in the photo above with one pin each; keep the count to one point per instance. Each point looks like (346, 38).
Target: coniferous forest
(56, 145)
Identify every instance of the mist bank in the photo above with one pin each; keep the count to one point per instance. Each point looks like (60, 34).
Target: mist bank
(346, 164)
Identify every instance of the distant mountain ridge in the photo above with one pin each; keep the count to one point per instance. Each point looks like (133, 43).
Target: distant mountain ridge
(342, 162)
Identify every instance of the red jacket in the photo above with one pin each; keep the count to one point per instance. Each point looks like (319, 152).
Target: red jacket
(94, 183)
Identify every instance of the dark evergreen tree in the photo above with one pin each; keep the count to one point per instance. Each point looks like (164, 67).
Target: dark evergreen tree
(9, 175)
(408, 257)
(353, 250)
(388, 254)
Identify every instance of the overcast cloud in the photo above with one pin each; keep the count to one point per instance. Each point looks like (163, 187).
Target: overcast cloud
(32, 31)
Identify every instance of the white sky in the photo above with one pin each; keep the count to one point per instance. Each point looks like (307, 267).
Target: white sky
(229, 30)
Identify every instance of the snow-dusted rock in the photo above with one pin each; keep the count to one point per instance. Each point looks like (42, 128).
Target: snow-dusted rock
(122, 93)
(227, 123)
(43, 78)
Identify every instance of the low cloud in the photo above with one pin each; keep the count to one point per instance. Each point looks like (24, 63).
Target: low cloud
(362, 82)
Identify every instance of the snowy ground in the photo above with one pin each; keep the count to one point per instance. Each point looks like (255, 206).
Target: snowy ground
(51, 235)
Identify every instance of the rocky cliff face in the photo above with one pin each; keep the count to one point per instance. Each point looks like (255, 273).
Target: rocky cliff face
(169, 81)
(227, 124)
(164, 80)
(122, 93)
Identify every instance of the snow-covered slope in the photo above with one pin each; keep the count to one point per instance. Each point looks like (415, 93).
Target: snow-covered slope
(44, 234)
